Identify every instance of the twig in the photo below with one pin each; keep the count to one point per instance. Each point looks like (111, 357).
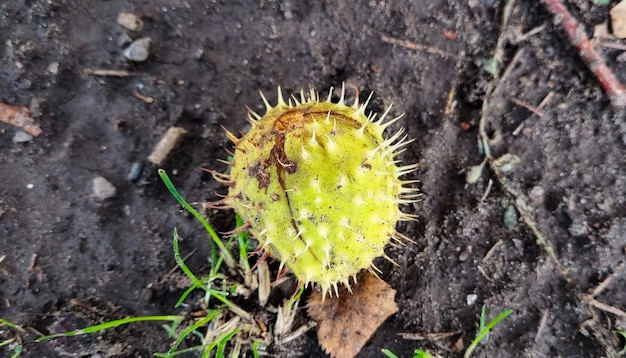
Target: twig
(607, 281)
(482, 271)
(545, 100)
(450, 102)
(428, 336)
(492, 250)
(487, 191)
(526, 106)
(105, 72)
(603, 306)
(509, 68)
(577, 36)
(542, 325)
(614, 45)
(146, 99)
(414, 46)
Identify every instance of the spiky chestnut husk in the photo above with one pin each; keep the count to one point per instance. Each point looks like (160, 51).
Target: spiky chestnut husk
(319, 186)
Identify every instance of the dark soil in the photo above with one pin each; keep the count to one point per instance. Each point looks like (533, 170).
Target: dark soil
(98, 260)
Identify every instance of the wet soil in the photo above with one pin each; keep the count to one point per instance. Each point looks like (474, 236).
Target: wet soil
(72, 260)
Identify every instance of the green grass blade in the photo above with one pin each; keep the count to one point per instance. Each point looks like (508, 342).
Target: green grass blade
(182, 351)
(421, 354)
(243, 240)
(483, 318)
(221, 346)
(17, 352)
(483, 332)
(255, 348)
(181, 263)
(187, 331)
(7, 342)
(170, 186)
(11, 325)
(623, 334)
(108, 325)
(389, 353)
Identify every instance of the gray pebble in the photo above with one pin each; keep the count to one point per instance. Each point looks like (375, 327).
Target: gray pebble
(138, 50)
(22, 137)
(578, 228)
(53, 68)
(103, 189)
(510, 217)
(135, 171)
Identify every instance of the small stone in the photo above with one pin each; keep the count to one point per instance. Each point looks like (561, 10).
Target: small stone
(510, 217)
(130, 21)
(465, 254)
(138, 50)
(135, 171)
(22, 137)
(578, 228)
(53, 68)
(197, 54)
(471, 299)
(103, 189)
(519, 244)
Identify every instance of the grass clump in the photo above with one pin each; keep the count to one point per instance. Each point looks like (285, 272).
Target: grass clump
(483, 332)
(220, 327)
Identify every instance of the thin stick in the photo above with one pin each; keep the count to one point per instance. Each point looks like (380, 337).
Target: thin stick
(542, 325)
(604, 307)
(428, 336)
(487, 191)
(577, 36)
(104, 72)
(414, 46)
(526, 106)
(492, 250)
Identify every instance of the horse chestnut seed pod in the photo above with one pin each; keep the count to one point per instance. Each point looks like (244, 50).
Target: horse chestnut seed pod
(318, 184)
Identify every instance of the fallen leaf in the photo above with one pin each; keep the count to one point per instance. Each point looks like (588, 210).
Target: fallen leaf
(19, 116)
(347, 321)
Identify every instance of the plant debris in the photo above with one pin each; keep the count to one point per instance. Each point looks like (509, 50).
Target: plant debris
(19, 116)
(166, 144)
(347, 321)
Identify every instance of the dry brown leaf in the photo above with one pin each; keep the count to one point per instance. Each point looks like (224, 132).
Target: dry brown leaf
(618, 20)
(19, 116)
(346, 322)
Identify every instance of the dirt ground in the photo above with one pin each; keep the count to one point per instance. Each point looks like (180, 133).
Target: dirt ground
(72, 260)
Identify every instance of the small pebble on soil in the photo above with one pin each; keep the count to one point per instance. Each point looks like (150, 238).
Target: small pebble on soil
(103, 189)
(21, 137)
(138, 50)
(130, 21)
